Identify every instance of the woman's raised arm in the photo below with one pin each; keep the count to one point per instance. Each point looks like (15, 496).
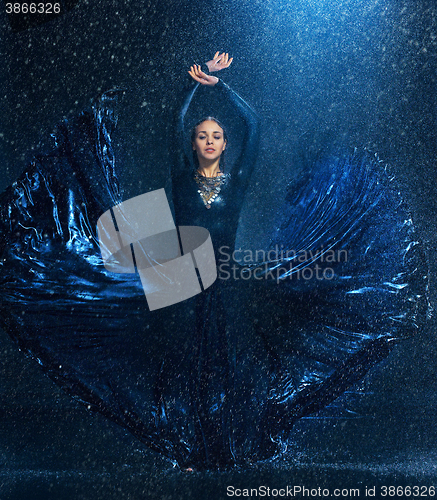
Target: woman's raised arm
(181, 160)
(181, 147)
(244, 165)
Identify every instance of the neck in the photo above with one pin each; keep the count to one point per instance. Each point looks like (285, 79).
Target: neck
(209, 169)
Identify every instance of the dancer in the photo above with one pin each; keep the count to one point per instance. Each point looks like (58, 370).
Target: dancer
(207, 194)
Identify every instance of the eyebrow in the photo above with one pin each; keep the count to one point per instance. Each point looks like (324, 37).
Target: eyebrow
(204, 132)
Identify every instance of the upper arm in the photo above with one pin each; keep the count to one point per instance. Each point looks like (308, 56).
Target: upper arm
(245, 163)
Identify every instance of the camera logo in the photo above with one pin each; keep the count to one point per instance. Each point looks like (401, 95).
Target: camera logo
(140, 235)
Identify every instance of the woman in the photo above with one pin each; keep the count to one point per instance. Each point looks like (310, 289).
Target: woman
(208, 195)
(221, 378)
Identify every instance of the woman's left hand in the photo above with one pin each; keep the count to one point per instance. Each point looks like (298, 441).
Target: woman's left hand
(219, 62)
(198, 75)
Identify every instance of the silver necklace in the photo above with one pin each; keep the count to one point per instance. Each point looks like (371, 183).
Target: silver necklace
(209, 187)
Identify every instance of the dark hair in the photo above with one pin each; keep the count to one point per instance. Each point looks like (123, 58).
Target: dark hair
(193, 137)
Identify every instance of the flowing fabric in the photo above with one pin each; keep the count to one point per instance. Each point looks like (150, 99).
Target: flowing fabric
(221, 378)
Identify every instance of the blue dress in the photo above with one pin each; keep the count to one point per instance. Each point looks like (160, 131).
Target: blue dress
(221, 378)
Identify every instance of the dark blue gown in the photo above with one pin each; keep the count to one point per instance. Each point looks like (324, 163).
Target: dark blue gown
(214, 396)
(218, 379)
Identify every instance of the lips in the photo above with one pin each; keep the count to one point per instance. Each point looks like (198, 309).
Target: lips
(209, 150)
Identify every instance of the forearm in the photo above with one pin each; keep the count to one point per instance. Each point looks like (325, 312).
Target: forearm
(189, 94)
(249, 151)
(180, 144)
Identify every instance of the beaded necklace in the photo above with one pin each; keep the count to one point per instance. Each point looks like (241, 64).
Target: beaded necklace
(209, 187)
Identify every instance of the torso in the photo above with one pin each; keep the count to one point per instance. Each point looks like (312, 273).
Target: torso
(220, 215)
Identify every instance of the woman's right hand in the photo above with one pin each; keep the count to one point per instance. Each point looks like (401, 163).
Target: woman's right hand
(198, 75)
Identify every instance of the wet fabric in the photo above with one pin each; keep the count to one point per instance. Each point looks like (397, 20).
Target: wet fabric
(220, 378)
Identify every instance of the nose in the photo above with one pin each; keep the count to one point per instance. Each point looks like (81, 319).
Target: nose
(209, 140)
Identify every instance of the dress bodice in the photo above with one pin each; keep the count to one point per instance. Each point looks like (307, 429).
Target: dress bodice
(220, 216)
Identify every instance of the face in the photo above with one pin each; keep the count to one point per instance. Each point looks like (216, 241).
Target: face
(209, 141)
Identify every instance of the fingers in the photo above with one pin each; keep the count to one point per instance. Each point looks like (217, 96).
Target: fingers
(195, 72)
(217, 57)
(198, 75)
(226, 62)
(222, 60)
(198, 71)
